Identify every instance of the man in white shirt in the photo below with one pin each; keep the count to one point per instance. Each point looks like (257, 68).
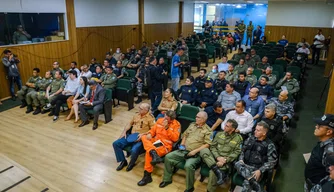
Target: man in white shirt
(85, 72)
(223, 66)
(303, 49)
(242, 117)
(318, 43)
(72, 85)
(72, 67)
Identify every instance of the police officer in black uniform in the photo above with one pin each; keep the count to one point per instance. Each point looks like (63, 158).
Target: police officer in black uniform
(327, 183)
(316, 167)
(188, 92)
(220, 83)
(200, 80)
(241, 85)
(208, 95)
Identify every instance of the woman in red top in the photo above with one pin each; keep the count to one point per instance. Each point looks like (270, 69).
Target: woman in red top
(230, 41)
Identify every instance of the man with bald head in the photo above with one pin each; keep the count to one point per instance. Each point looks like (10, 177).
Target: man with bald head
(141, 123)
(284, 107)
(198, 136)
(254, 103)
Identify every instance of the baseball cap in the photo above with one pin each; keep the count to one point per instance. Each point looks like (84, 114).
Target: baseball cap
(92, 82)
(209, 80)
(327, 119)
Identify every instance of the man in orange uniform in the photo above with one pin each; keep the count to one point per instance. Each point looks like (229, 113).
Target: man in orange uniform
(158, 142)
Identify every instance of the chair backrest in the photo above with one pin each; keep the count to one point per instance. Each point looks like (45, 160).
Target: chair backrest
(203, 51)
(272, 43)
(281, 62)
(233, 62)
(189, 111)
(124, 83)
(132, 73)
(194, 55)
(211, 49)
(192, 50)
(278, 75)
(108, 95)
(162, 51)
(257, 73)
(279, 69)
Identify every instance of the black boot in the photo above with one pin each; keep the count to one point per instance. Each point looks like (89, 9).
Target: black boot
(146, 179)
(221, 177)
(122, 165)
(139, 100)
(24, 103)
(52, 112)
(37, 111)
(29, 109)
(255, 185)
(155, 157)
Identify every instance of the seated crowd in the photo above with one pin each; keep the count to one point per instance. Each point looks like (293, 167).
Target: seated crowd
(241, 122)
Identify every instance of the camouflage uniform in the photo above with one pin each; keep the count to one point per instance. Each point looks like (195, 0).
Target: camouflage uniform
(39, 97)
(55, 85)
(53, 71)
(255, 155)
(252, 79)
(283, 108)
(196, 137)
(250, 63)
(198, 46)
(238, 56)
(291, 84)
(223, 145)
(109, 81)
(313, 173)
(231, 76)
(326, 184)
(240, 68)
(272, 79)
(26, 92)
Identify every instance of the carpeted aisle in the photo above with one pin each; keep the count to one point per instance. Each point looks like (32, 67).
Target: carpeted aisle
(8, 104)
(290, 176)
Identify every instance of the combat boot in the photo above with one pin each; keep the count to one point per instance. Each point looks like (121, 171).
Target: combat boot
(37, 111)
(29, 109)
(255, 185)
(221, 177)
(24, 103)
(146, 179)
(155, 157)
(139, 100)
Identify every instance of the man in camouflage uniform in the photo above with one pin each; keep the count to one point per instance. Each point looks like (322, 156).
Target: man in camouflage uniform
(250, 29)
(197, 137)
(56, 68)
(258, 156)
(143, 79)
(231, 74)
(241, 67)
(327, 183)
(251, 78)
(241, 30)
(28, 90)
(272, 77)
(289, 82)
(239, 55)
(225, 148)
(317, 166)
(55, 88)
(284, 107)
(109, 80)
(39, 97)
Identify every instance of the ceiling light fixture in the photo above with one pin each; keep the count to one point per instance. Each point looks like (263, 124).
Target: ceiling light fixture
(238, 6)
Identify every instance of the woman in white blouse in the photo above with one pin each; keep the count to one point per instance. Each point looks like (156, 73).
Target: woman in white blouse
(81, 95)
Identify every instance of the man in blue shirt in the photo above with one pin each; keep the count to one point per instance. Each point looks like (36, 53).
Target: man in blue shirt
(216, 115)
(254, 104)
(223, 66)
(175, 69)
(283, 41)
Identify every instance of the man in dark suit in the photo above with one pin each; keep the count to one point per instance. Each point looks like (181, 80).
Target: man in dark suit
(95, 102)
(257, 34)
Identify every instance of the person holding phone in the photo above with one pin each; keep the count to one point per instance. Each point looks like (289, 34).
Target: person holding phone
(158, 142)
(20, 35)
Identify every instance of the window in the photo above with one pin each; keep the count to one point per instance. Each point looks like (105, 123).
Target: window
(38, 27)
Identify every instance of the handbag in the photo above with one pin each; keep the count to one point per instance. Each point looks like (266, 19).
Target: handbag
(69, 101)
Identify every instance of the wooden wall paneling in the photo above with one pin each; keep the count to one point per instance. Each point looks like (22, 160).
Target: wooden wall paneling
(188, 28)
(330, 57)
(161, 31)
(141, 26)
(293, 34)
(37, 55)
(329, 67)
(96, 41)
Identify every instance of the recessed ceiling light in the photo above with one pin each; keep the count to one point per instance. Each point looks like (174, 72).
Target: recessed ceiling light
(250, 1)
